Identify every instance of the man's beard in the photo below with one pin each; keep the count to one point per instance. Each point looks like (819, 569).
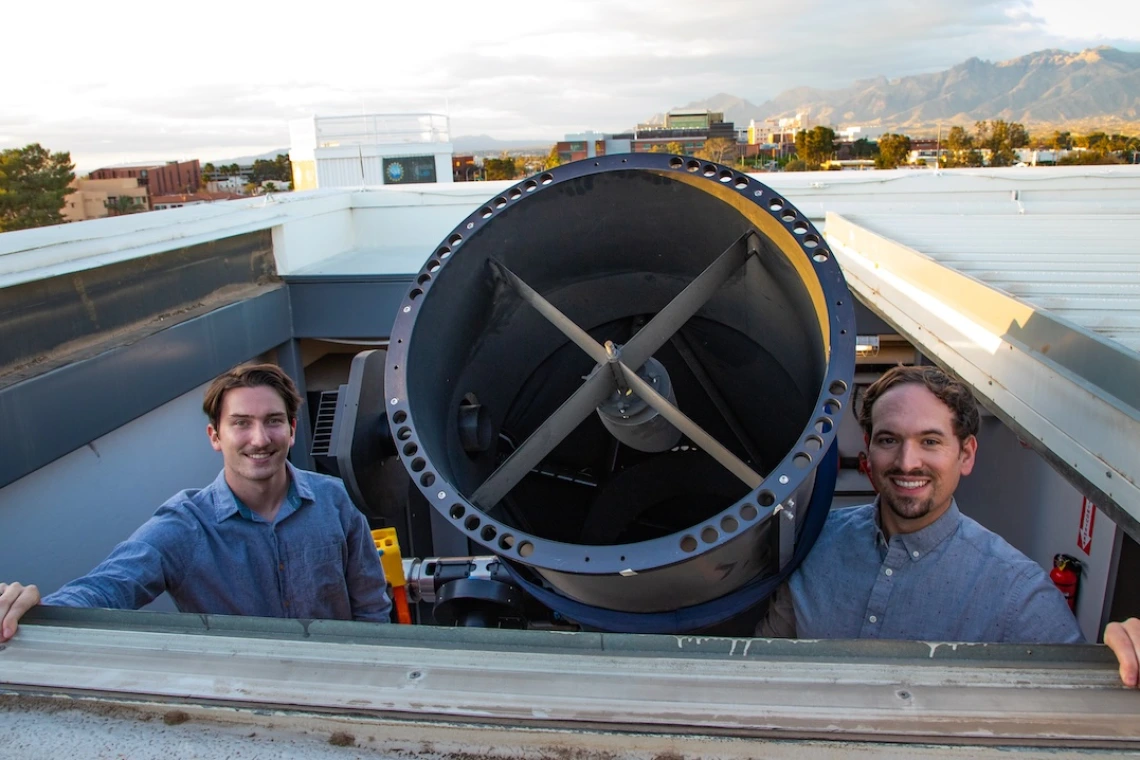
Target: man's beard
(906, 507)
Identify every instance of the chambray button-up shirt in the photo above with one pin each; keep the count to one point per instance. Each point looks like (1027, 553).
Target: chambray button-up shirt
(951, 581)
(213, 555)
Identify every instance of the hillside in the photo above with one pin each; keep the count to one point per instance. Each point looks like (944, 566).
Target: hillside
(1096, 88)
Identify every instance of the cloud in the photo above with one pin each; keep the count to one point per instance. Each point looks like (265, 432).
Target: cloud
(529, 70)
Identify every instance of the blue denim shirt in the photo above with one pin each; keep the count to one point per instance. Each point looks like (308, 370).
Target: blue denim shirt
(951, 581)
(317, 559)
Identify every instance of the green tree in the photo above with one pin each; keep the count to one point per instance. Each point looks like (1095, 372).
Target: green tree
(552, 158)
(863, 148)
(960, 149)
(814, 146)
(796, 165)
(278, 170)
(284, 167)
(1088, 157)
(719, 149)
(1002, 138)
(125, 204)
(500, 168)
(33, 186)
(1061, 141)
(893, 150)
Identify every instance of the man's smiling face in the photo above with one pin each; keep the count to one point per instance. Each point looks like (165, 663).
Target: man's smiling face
(254, 435)
(915, 458)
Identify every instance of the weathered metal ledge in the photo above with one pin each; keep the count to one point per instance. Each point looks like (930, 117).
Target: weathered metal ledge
(865, 691)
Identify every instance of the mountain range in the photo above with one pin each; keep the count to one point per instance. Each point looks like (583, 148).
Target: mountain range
(1095, 88)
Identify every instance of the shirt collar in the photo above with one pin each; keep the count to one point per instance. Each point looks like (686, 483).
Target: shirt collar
(227, 504)
(922, 542)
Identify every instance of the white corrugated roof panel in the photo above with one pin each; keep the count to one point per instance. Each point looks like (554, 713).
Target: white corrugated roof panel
(1081, 268)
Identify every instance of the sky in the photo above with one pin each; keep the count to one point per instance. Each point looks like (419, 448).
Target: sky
(134, 81)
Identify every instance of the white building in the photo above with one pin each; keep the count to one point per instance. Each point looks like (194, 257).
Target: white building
(370, 149)
(227, 185)
(854, 133)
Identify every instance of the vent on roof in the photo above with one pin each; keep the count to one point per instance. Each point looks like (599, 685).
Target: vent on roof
(325, 426)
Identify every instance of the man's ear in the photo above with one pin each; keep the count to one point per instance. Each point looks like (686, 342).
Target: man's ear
(212, 434)
(967, 455)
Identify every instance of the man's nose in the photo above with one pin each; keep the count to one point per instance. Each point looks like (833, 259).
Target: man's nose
(909, 457)
(260, 434)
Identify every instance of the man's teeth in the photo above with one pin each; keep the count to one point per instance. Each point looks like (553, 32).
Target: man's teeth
(910, 483)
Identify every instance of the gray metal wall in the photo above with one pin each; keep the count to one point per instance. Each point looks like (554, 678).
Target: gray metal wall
(1016, 494)
(61, 520)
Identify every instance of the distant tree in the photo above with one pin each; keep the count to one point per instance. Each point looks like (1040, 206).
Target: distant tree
(863, 148)
(814, 146)
(33, 186)
(270, 187)
(1088, 157)
(1060, 141)
(284, 167)
(125, 204)
(893, 150)
(552, 158)
(719, 149)
(278, 170)
(500, 168)
(208, 169)
(676, 148)
(261, 171)
(960, 149)
(796, 165)
(1002, 139)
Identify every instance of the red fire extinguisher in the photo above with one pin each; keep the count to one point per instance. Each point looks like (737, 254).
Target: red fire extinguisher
(1066, 576)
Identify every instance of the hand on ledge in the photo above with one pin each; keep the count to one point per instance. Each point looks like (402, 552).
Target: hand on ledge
(1124, 640)
(15, 600)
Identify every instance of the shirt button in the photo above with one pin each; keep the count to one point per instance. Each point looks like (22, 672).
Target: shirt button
(873, 619)
(914, 554)
(281, 566)
(889, 571)
(286, 602)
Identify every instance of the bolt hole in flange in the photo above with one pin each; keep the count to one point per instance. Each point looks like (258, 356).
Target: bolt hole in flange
(501, 379)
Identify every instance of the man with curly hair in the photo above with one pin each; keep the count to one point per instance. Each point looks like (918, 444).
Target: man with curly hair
(911, 565)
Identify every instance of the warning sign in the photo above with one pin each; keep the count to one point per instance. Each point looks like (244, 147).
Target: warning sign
(1085, 531)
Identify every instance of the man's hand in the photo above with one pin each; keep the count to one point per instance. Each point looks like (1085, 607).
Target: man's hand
(1124, 640)
(16, 599)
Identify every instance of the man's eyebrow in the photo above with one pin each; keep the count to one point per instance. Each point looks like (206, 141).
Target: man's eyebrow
(928, 431)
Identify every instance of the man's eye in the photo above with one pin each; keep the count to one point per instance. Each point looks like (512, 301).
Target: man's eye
(885, 441)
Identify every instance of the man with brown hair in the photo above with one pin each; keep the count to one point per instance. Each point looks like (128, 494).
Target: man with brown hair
(263, 539)
(910, 565)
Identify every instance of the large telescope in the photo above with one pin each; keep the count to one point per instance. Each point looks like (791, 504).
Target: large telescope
(623, 377)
